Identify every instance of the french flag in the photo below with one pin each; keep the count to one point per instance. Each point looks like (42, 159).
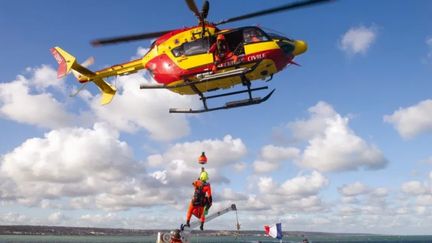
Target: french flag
(274, 231)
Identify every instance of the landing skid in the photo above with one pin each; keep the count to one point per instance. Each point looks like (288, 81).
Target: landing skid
(228, 105)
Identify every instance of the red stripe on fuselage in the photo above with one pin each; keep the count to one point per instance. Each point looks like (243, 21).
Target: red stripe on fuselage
(165, 70)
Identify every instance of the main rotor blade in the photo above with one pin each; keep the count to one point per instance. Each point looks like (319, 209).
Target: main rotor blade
(205, 9)
(285, 7)
(192, 6)
(115, 40)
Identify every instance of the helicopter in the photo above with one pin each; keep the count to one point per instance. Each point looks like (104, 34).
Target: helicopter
(200, 59)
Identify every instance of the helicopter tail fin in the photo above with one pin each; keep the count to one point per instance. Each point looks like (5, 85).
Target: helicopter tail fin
(68, 63)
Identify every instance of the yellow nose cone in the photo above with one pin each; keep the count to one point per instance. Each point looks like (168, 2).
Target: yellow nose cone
(300, 47)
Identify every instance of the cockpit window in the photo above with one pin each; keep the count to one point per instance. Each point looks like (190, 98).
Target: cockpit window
(252, 35)
(199, 46)
(277, 36)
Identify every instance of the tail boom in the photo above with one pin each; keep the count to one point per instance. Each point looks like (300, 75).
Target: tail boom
(68, 63)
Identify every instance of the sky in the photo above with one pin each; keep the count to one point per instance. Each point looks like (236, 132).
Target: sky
(343, 145)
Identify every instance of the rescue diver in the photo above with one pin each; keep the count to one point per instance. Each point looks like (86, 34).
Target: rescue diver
(202, 199)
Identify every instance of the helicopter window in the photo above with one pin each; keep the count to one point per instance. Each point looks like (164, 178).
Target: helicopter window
(199, 46)
(178, 51)
(251, 35)
(196, 47)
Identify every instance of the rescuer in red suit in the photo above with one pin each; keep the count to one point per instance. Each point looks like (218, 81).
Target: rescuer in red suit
(201, 200)
(220, 51)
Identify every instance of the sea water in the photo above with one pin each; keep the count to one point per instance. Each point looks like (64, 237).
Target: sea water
(152, 239)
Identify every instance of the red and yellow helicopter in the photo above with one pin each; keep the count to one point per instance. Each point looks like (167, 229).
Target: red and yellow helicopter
(200, 59)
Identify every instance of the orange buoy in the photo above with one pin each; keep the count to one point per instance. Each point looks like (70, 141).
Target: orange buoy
(202, 159)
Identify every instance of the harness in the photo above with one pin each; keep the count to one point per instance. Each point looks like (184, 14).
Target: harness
(198, 197)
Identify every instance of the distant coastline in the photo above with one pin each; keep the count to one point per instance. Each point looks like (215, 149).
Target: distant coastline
(86, 231)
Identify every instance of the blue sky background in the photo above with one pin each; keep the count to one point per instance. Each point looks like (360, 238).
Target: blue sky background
(342, 146)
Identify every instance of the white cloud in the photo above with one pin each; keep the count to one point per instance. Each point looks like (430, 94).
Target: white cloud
(358, 39)
(380, 192)
(56, 218)
(271, 156)
(45, 77)
(349, 199)
(298, 193)
(231, 195)
(68, 155)
(414, 188)
(84, 167)
(316, 123)
(421, 210)
(266, 184)
(424, 200)
(413, 120)
(220, 152)
(133, 109)
(354, 189)
(262, 166)
(417, 196)
(349, 210)
(275, 153)
(92, 168)
(178, 166)
(402, 210)
(305, 185)
(11, 218)
(332, 145)
(362, 205)
(26, 100)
